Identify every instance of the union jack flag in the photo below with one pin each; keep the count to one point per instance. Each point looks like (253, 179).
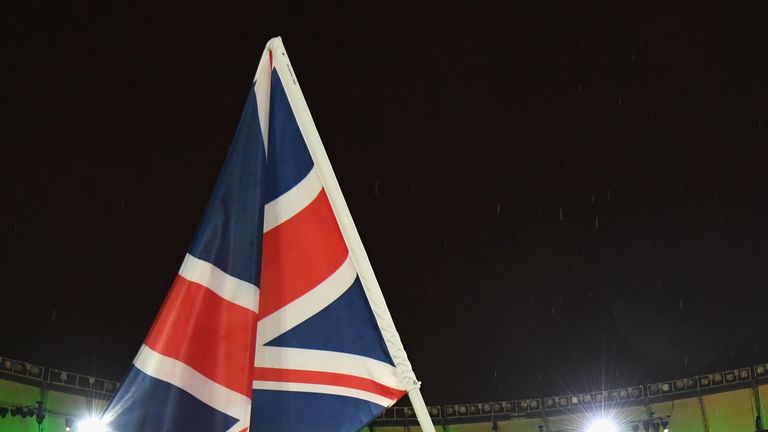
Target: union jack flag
(275, 321)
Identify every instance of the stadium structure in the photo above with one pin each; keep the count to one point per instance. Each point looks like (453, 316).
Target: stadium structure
(39, 399)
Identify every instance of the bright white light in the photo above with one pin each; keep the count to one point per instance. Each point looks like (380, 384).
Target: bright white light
(91, 424)
(602, 425)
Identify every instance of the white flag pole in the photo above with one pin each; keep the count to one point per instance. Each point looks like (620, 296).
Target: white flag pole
(420, 408)
(349, 231)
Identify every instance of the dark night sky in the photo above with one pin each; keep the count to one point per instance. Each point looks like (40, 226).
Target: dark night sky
(554, 198)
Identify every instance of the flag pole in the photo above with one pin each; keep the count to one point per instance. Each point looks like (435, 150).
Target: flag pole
(349, 231)
(420, 408)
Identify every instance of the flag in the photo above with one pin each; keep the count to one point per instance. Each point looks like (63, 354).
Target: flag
(275, 321)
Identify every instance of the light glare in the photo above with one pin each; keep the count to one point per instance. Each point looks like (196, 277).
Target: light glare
(602, 425)
(91, 424)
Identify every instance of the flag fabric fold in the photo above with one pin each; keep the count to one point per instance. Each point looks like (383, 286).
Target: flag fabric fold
(275, 321)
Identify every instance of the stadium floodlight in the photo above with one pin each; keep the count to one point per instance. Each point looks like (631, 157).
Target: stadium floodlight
(743, 374)
(522, 405)
(705, 381)
(761, 370)
(602, 425)
(91, 424)
(20, 368)
(679, 385)
(35, 371)
(691, 383)
(6, 365)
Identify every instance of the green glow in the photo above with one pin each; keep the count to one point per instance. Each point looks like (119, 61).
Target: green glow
(60, 405)
(730, 411)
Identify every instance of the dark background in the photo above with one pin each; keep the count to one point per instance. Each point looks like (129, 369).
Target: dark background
(555, 198)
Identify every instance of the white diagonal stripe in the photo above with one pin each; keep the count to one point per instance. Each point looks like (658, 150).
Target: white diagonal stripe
(304, 307)
(328, 361)
(228, 287)
(193, 382)
(324, 389)
(288, 204)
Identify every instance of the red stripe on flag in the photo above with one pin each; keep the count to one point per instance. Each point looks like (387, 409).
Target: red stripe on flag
(327, 378)
(299, 254)
(207, 333)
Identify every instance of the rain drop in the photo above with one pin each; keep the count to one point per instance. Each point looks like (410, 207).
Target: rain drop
(593, 197)
(597, 222)
(681, 303)
(561, 214)
(53, 316)
(498, 207)
(376, 188)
